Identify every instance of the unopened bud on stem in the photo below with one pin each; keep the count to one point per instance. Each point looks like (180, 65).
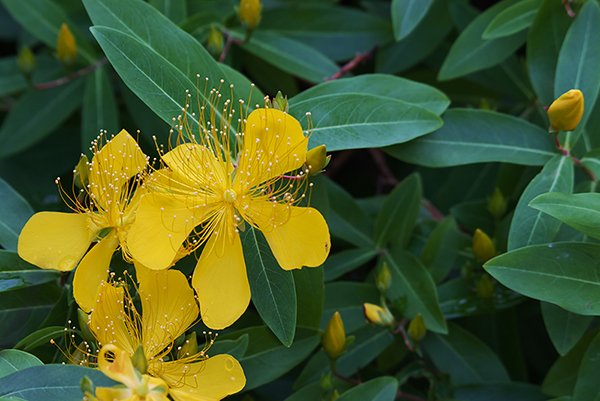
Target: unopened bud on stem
(566, 111)
(334, 338)
(483, 247)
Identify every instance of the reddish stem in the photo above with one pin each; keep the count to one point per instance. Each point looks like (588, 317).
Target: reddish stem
(568, 9)
(68, 78)
(350, 65)
(576, 161)
(400, 330)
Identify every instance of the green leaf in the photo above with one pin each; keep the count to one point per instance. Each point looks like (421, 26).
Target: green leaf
(14, 213)
(347, 297)
(289, 55)
(310, 292)
(513, 391)
(530, 226)
(388, 87)
(42, 337)
(16, 273)
(470, 52)
(338, 32)
(396, 220)
(464, 357)
(380, 389)
(267, 359)
(476, 136)
(407, 14)
(43, 18)
(586, 387)
(236, 348)
(99, 108)
(565, 274)
(564, 328)
(345, 261)
(273, 291)
(11, 79)
(36, 114)
(579, 58)
(513, 19)
(580, 211)
(543, 46)
(175, 10)
(13, 360)
(442, 248)
(51, 383)
(413, 282)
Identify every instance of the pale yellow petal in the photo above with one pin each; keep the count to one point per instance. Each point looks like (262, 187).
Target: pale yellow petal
(109, 321)
(298, 236)
(112, 166)
(221, 282)
(168, 307)
(115, 394)
(92, 270)
(53, 240)
(274, 144)
(116, 364)
(210, 380)
(196, 166)
(163, 222)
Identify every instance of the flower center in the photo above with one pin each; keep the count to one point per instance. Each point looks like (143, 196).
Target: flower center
(229, 196)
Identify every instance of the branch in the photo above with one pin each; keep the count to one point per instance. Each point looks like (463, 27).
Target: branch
(350, 65)
(68, 78)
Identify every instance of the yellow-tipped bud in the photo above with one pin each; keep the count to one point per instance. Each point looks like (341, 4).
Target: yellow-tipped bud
(139, 361)
(214, 43)
(81, 174)
(417, 328)
(497, 204)
(483, 246)
(377, 315)
(317, 159)
(66, 47)
(250, 13)
(484, 287)
(189, 347)
(566, 111)
(26, 61)
(383, 278)
(334, 338)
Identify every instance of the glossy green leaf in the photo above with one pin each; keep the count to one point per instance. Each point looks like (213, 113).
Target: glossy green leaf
(464, 357)
(564, 328)
(14, 213)
(543, 46)
(379, 389)
(396, 220)
(407, 14)
(236, 348)
(470, 52)
(11, 79)
(441, 249)
(175, 10)
(500, 392)
(13, 360)
(345, 261)
(580, 211)
(530, 226)
(50, 382)
(36, 114)
(586, 387)
(41, 337)
(565, 274)
(512, 20)
(476, 136)
(310, 296)
(413, 282)
(273, 290)
(16, 273)
(99, 108)
(347, 297)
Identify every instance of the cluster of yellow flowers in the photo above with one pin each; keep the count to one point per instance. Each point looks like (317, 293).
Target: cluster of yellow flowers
(217, 181)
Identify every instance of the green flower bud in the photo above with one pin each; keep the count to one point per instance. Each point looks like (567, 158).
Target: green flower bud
(317, 160)
(26, 61)
(66, 47)
(483, 247)
(417, 328)
(334, 338)
(497, 204)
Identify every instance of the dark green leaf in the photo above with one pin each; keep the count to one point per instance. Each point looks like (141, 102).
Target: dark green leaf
(345, 261)
(442, 248)
(500, 392)
(379, 389)
(273, 291)
(586, 387)
(175, 10)
(16, 273)
(476, 136)
(11, 79)
(512, 20)
(42, 337)
(236, 348)
(347, 297)
(14, 213)
(310, 292)
(564, 328)
(406, 15)
(13, 360)
(99, 108)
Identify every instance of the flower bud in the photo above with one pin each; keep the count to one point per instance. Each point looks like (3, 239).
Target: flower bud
(189, 347)
(81, 174)
(484, 287)
(281, 102)
(377, 315)
(566, 111)
(483, 247)
(383, 278)
(26, 61)
(214, 43)
(334, 338)
(417, 328)
(250, 13)
(317, 160)
(139, 361)
(66, 47)
(86, 385)
(83, 320)
(496, 204)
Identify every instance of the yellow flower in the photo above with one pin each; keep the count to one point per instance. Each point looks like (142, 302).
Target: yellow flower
(66, 47)
(205, 191)
(104, 210)
(334, 338)
(168, 309)
(566, 111)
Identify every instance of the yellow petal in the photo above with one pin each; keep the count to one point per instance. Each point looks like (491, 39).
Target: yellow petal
(168, 307)
(221, 282)
(53, 240)
(274, 144)
(109, 322)
(92, 270)
(112, 166)
(298, 236)
(116, 364)
(115, 394)
(163, 222)
(209, 380)
(197, 166)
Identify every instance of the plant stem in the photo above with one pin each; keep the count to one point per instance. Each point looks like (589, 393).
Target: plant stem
(68, 78)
